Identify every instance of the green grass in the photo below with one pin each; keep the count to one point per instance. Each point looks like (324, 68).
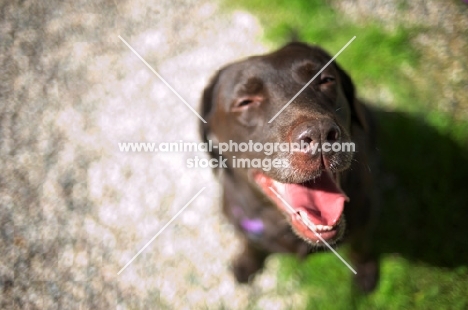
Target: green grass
(422, 235)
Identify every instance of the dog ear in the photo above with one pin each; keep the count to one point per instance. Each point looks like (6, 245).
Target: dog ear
(358, 113)
(207, 107)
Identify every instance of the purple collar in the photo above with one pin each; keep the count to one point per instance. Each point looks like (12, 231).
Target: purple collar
(254, 227)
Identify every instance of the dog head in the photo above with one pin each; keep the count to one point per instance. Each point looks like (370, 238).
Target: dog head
(245, 104)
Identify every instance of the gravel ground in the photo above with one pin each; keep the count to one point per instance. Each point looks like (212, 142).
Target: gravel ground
(74, 209)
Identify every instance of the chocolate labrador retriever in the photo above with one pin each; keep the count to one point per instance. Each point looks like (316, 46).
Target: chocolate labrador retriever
(275, 196)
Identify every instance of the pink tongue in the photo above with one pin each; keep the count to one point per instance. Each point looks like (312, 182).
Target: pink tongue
(321, 197)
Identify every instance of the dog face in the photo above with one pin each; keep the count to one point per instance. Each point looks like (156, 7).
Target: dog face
(241, 104)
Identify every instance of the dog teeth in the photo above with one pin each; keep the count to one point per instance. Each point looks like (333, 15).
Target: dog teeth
(323, 227)
(318, 228)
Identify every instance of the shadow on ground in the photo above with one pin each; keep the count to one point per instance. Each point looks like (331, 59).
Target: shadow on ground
(425, 199)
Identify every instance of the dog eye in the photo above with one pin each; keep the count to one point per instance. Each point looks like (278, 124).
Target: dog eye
(327, 80)
(243, 103)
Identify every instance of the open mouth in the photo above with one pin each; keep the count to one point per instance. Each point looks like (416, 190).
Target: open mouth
(319, 201)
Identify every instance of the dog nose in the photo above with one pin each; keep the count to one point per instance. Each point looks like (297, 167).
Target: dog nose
(320, 131)
(330, 132)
